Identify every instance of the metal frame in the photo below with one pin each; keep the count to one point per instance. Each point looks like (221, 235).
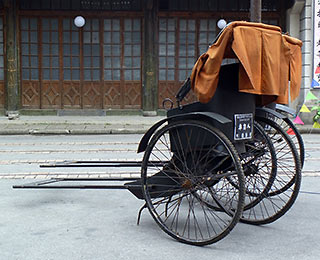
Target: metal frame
(94, 164)
(285, 109)
(196, 115)
(47, 184)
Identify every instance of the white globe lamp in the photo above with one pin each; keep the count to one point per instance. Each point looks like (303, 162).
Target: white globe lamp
(79, 21)
(221, 24)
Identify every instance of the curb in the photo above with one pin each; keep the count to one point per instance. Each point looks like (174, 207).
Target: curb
(94, 128)
(99, 131)
(69, 131)
(308, 129)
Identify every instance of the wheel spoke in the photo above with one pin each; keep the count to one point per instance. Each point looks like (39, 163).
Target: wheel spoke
(199, 159)
(285, 187)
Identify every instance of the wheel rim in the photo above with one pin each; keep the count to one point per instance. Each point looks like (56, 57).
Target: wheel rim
(292, 131)
(196, 170)
(286, 184)
(259, 166)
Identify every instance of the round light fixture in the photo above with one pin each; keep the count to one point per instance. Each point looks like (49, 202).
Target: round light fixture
(79, 21)
(221, 23)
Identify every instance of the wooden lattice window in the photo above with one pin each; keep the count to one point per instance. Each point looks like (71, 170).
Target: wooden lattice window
(207, 34)
(111, 49)
(71, 51)
(187, 50)
(29, 49)
(50, 49)
(179, 46)
(167, 52)
(132, 49)
(91, 50)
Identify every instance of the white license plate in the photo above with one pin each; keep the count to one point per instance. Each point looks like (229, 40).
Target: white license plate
(243, 126)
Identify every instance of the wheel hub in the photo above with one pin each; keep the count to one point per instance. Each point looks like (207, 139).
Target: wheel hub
(187, 184)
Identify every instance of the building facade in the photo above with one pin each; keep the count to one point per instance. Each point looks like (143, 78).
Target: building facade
(129, 55)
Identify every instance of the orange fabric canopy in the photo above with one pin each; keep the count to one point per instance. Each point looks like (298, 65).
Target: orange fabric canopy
(268, 61)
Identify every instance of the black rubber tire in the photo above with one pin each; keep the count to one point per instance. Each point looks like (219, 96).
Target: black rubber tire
(198, 155)
(286, 124)
(286, 185)
(299, 142)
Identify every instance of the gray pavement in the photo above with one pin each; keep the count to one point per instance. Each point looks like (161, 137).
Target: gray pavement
(20, 155)
(88, 125)
(76, 124)
(100, 224)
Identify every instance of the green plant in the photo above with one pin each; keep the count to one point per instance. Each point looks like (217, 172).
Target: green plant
(316, 107)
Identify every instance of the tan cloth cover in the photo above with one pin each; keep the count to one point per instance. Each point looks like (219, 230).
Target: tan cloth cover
(268, 60)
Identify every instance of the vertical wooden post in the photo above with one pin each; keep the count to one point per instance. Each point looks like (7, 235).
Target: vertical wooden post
(11, 58)
(255, 11)
(150, 59)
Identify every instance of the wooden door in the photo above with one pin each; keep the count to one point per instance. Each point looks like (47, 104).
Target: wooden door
(122, 63)
(71, 81)
(30, 87)
(49, 67)
(94, 67)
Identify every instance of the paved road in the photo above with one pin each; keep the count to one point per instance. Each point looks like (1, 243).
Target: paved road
(21, 155)
(100, 224)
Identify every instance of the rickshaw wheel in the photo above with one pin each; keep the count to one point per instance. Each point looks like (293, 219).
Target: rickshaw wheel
(197, 159)
(296, 137)
(288, 126)
(259, 164)
(286, 185)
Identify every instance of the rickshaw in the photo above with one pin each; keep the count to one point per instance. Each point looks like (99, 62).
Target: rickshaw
(224, 159)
